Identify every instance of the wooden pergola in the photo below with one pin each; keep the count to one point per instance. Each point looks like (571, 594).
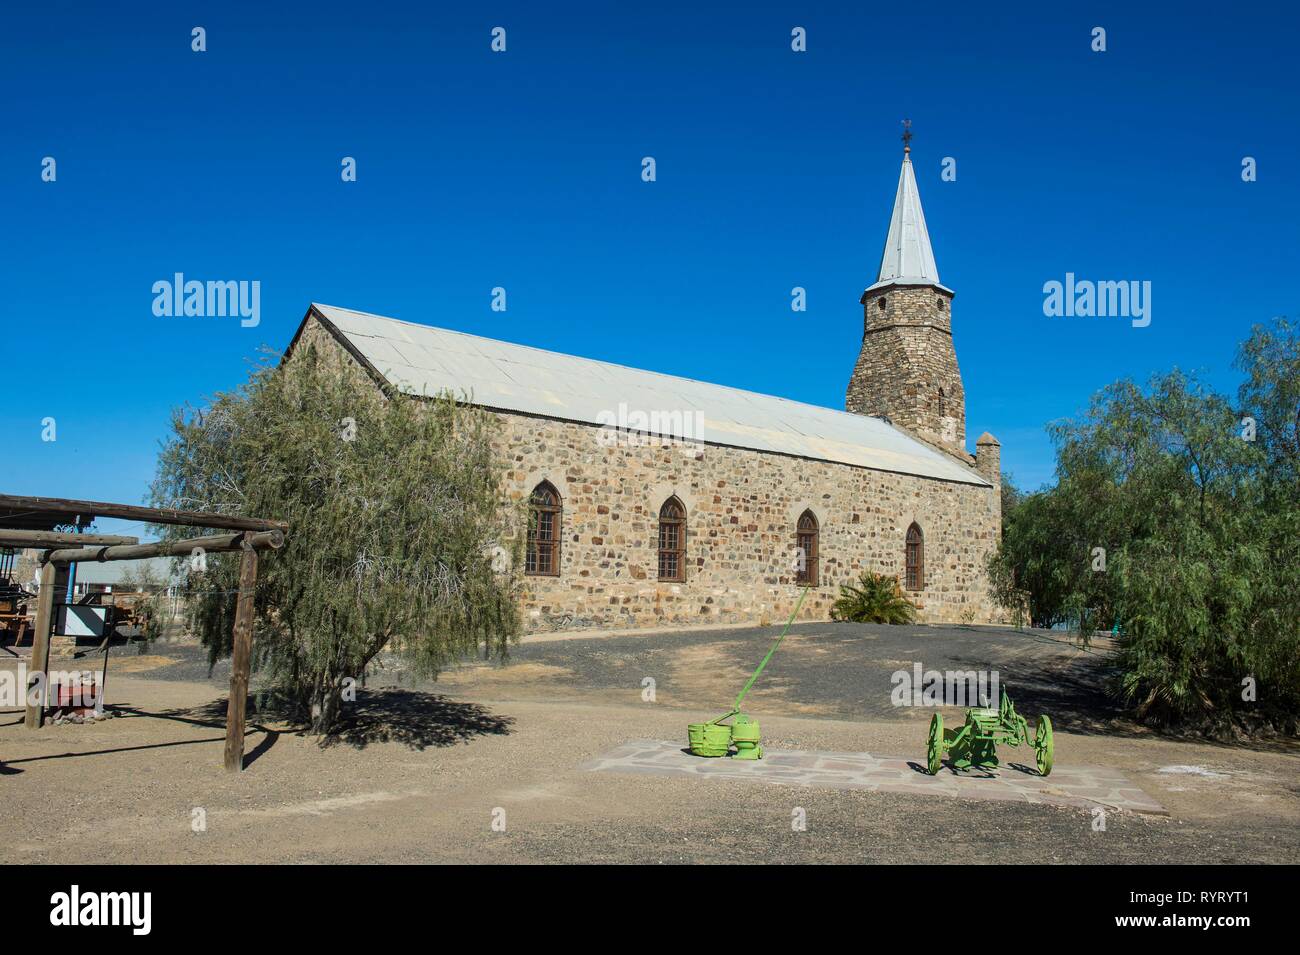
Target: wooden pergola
(32, 522)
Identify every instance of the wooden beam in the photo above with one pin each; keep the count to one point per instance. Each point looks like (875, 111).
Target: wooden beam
(35, 714)
(240, 662)
(131, 512)
(45, 540)
(216, 544)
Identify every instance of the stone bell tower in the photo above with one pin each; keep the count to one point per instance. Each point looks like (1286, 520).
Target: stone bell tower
(907, 369)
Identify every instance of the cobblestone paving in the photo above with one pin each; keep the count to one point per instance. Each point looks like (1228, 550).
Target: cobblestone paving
(1081, 786)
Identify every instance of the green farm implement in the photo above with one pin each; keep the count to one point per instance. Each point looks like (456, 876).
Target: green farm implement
(974, 744)
(715, 738)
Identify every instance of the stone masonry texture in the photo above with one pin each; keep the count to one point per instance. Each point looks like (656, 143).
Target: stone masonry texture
(907, 357)
(742, 507)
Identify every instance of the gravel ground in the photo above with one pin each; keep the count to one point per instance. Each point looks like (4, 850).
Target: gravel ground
(837, 670)
(422, 771)
(843, 670)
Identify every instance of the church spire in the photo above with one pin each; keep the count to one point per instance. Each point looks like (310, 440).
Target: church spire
(908, 258)
(907, 368)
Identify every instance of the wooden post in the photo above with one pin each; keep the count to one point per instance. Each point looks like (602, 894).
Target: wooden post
(151, 515)
(35, 716)
(240, 661)
(217, 544)
(45, 540)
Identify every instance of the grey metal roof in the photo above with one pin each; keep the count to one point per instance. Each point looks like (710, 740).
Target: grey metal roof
(423, 360)
(908, 258)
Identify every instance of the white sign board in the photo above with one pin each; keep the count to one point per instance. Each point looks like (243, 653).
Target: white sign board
(76, 621)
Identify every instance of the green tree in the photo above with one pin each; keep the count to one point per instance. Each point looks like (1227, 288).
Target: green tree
(1199, 521)
(1040, 561)
(398, 540)
(1011, 494)
(1269, 400)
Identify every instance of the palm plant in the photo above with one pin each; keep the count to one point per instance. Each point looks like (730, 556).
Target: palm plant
(876, 598)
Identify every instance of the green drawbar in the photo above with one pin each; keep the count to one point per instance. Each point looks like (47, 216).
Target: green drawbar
(715, 738)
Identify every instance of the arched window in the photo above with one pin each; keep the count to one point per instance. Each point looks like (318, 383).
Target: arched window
(915, 576)
(940, 402)
(544, 513)
(806, 534)
(672, 541)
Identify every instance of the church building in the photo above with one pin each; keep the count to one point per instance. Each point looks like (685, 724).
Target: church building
(662, 501)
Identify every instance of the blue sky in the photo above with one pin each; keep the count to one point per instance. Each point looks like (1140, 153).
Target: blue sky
(522, 170)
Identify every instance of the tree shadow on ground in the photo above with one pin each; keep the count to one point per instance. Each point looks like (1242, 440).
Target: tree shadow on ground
(1053, 673)
(1077, 700)
(392, 715)
(1081, 699)
(414, 719)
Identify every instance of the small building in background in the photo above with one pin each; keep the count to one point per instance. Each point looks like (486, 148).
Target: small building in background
(125, 576)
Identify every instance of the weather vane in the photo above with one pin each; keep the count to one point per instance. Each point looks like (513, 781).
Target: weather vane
(907, 136)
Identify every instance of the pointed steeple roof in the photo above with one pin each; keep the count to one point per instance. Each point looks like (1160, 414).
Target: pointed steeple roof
(908, 258)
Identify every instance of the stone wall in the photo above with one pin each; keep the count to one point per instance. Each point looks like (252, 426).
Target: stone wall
(742, 507)
(907, 356)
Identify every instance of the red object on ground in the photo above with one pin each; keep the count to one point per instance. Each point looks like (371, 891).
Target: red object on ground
(77, 697)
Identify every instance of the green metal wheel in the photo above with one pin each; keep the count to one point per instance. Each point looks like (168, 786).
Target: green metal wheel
(1043, 746)
(934, 755)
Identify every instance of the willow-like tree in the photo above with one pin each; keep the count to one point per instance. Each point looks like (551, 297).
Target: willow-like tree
(1195, 501)
(398, 540)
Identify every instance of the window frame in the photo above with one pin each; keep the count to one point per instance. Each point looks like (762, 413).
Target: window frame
(553, 544)
(678, 521)
(810, 575)
(914, 559)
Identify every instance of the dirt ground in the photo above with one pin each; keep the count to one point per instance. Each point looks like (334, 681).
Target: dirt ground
(422, 772)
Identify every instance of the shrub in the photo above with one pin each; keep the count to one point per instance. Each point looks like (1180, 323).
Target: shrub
(876, 598)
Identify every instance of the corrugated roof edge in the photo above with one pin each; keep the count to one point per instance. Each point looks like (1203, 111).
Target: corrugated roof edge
(383, 381)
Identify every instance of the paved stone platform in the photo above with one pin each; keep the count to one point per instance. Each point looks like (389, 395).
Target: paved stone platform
(1080, 786)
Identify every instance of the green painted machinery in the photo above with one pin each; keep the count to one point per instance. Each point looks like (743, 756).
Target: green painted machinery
(974, 744)
(715, 738)
(710, 739)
